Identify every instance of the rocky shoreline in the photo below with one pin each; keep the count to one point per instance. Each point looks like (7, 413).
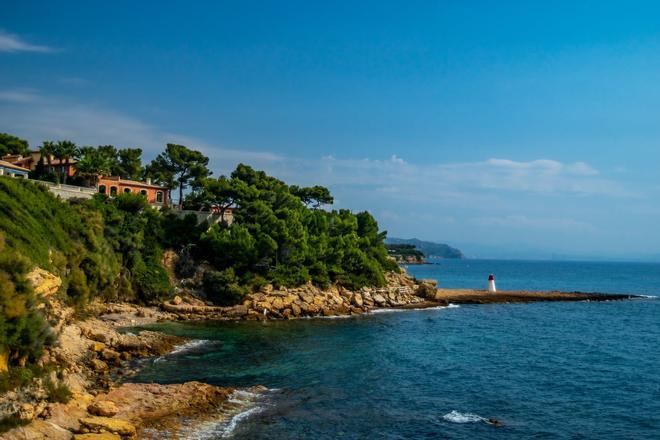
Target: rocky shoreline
(92, 355)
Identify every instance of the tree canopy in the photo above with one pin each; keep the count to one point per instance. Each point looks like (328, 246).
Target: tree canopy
(276, 238)
(10, 144)
(178, 166)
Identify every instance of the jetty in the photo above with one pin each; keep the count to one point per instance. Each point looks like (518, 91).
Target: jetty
(476, 296)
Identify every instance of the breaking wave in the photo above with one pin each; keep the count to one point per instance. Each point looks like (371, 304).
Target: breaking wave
(243, 404)
(459, 417)
(183, 348)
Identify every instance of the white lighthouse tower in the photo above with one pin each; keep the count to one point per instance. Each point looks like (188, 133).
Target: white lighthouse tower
(491, 283)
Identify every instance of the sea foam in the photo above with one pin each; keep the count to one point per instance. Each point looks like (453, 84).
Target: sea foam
(244, 404)
(459, 417)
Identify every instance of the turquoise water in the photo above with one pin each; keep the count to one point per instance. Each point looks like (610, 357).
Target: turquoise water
(545, 370)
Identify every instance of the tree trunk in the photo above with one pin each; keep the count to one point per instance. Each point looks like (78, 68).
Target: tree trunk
(66, 168)
(181, 196)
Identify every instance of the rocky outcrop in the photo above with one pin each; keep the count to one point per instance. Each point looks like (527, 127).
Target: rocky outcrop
(309, 300)
(43, 282)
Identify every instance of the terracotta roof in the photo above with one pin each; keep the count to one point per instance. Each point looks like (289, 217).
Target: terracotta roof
(128, 182)
(5, 164)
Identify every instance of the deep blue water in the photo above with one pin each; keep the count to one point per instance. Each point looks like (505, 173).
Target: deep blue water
(546, 370)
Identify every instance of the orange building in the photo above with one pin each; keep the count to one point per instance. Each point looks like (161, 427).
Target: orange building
(113, 186)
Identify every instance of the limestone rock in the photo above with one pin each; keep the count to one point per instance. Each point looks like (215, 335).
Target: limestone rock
(43, 282)
(111, 356)
(378, 298)
(278, 304)
(38, 429)
(99, 436)
(26, 412)
(104, 408)
(97, 347)
(357, 300)
(99, 365)
(116, 426)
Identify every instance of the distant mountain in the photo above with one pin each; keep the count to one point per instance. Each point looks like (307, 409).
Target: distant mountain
(429, 248)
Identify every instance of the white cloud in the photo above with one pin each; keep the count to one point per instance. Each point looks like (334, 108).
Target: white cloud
(14, 43)
(543, 223)
(396, 176)
(37, 118)
(18, 96)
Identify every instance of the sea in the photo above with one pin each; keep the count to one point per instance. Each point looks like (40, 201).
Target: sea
(560, 370)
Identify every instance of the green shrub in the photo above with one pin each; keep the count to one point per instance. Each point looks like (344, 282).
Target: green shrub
(222, 287)
(57, 393)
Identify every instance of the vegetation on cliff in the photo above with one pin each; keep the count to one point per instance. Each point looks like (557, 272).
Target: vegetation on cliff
(112, 248)
(277, 239)
(428, 248)
(405, 253)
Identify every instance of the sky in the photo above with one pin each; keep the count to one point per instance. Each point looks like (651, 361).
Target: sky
(509, 129)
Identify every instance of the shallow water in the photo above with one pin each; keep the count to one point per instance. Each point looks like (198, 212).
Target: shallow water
(545, 370)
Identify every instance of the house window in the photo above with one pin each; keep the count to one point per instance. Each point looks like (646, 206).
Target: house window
(143, 192)
(127, 190)
(102, 189)
(159, 197)
(113, 191)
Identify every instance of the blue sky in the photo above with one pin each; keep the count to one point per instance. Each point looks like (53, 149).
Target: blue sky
(507, 128)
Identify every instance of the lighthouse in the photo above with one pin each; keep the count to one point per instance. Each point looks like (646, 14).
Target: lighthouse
(491, 283)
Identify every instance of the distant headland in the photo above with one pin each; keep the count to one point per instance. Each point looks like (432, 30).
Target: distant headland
(428, 248)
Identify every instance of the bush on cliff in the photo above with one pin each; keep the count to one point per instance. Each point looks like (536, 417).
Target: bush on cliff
(222, 287)
(277, 238)
(23, 331)
(107, 248)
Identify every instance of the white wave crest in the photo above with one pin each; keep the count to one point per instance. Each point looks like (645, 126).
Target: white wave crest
(189, 346)
(228, 430)
(244, 406)
(459, 417)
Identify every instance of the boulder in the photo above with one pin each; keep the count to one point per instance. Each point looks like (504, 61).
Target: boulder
(99, 436)
(98, 365)
(278, 304)
(357, 300)
(379, 299)
(116, 426)
(104, 408)
(296, 309)
(97, 347)
(26, 412)
(111, 356)
(426, 290)
(236, 311)
(177, 300)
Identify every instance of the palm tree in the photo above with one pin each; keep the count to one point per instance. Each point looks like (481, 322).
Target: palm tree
(66, 150)
(46, 152)
(93, 162)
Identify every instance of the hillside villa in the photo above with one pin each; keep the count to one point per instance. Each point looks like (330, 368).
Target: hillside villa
(112, 186)
(55, 165)
(9, 169)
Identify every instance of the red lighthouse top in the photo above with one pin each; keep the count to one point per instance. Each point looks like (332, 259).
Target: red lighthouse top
(491, 277)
